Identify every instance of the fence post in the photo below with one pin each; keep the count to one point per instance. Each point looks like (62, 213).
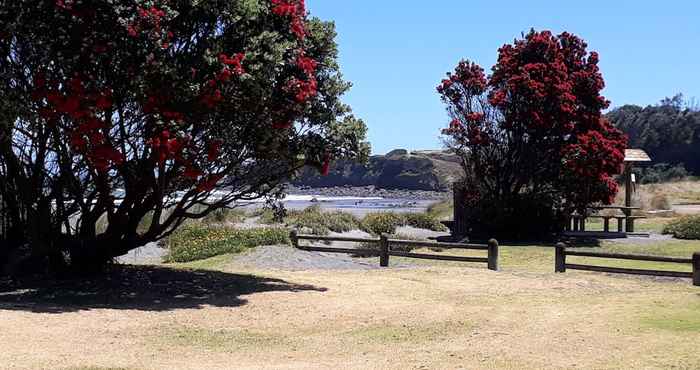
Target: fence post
(560, 257)
(493, 255)
(294, 238)
(696, 268)
(383, 250)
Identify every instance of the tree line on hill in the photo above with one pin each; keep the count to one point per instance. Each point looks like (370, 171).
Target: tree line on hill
(669, 132)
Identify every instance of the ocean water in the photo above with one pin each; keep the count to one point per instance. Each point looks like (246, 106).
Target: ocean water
(355, 205)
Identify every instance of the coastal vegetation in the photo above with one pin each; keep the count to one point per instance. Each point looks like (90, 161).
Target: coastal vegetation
(197, 242)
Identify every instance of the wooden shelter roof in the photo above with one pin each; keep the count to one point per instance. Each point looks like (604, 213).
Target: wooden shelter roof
(636, 155)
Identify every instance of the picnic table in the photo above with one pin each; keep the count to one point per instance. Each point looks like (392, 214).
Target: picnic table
(625, 220)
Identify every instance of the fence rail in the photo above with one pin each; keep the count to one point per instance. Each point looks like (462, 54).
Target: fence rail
(561, 253)
(385, 249)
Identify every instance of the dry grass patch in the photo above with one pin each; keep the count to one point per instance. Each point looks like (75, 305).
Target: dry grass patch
(411, 332)
(217, 339)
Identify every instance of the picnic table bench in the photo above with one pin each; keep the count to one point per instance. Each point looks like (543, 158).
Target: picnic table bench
(625, 221)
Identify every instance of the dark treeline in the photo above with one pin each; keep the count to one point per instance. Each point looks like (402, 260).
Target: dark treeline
(669, 131)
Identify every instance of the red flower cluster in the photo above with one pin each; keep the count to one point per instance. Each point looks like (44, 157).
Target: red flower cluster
(150, 18)
(326, 165)
(467, 81)
(303, 90)
(296, 11)
(234, 61)
(211, 99)
(166, 147)
(81, 108)
(214, 149)
(306, 64)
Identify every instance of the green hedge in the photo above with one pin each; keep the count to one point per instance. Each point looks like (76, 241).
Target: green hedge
(684, 228)
(196, 242)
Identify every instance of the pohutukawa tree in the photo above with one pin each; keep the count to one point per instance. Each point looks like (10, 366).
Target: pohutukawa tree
(120, 119)
(533, 142)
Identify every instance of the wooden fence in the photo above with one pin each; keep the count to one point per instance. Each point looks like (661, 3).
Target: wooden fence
(385, 249)
(561, 253)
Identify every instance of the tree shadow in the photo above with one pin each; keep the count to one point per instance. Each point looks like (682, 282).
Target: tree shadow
(146, 288)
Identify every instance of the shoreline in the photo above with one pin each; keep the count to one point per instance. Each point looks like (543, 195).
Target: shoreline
(367, 192)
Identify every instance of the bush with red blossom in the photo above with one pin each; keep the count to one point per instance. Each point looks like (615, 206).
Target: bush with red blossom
(533, 142)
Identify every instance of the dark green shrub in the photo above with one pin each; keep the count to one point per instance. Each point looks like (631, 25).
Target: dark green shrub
(381, 223)
(663, 172)
(196, 242)
(423, 221)
(687, 227)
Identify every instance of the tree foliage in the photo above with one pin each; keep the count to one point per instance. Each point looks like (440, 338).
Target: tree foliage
(669, 131)
(115, 110)
(533, 143)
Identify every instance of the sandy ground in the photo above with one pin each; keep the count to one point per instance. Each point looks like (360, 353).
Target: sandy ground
(425, 317)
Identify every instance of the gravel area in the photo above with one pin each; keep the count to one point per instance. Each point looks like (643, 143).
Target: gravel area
(651, 239)
(149, 254)
(288, 258)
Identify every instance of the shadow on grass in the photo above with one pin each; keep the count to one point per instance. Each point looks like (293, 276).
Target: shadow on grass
(147, 288)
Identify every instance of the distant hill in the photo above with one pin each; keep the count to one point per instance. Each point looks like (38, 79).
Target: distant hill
(669, 131)
(432, 170)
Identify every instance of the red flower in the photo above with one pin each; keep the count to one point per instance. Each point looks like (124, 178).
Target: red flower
(325, 167)
(214, 149)
(192, 172)
(306, 64)
(104, 101)
(282, 125)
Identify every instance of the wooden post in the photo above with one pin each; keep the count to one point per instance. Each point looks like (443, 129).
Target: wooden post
(493, 255)
(384, 250)
(583, 223)
(560, 257)
(629, 223)
(696, 268)
(293, 237)
(606, 224)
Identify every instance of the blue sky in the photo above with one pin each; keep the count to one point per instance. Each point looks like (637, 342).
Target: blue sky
(396, 52)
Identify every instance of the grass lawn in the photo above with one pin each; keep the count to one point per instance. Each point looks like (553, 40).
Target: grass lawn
(435, 315)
